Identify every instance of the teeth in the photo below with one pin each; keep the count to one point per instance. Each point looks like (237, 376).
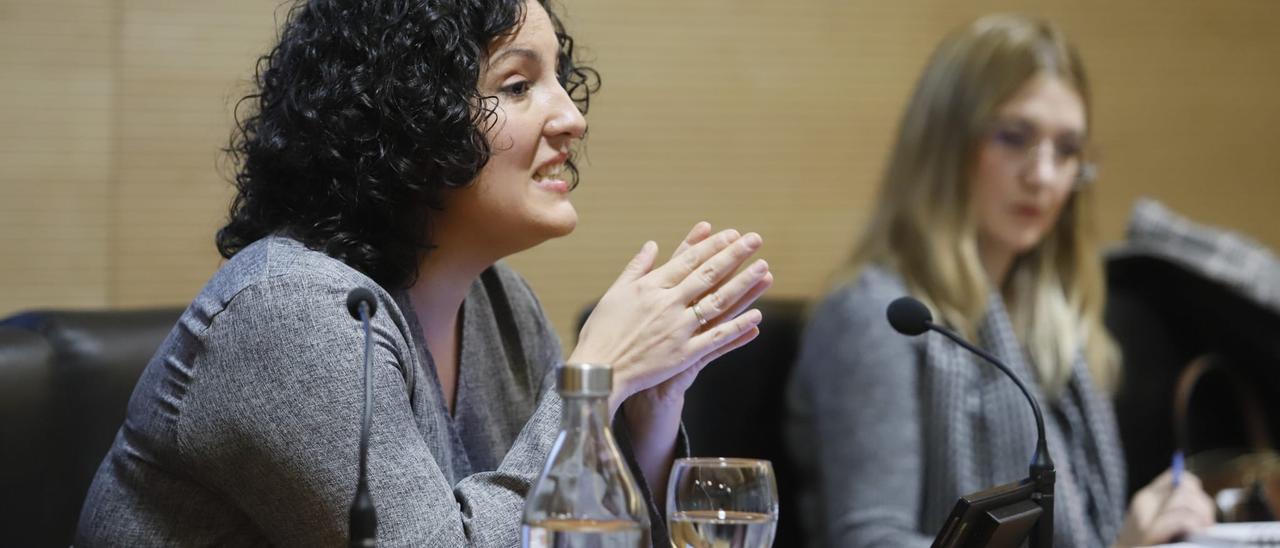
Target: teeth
(550, 172)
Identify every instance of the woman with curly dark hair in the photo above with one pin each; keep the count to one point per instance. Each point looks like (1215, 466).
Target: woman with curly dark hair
(404, 146)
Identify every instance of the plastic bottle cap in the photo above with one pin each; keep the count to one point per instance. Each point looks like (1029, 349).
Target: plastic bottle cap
(585, 379)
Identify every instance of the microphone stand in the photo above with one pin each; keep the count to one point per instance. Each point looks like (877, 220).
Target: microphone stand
(1042, 473)
(362, 519)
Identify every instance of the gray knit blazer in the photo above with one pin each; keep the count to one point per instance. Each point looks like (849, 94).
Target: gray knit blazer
(243, 429)
(889, 431)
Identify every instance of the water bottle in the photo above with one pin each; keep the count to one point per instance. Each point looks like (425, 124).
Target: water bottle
(586, 497)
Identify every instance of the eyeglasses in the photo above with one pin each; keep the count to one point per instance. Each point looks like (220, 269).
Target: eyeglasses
(1026, 146)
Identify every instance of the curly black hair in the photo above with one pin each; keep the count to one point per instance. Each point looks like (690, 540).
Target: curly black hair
(365, 112)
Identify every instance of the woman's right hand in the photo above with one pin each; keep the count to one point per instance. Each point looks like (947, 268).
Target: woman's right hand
(645, 325)
(1160, 512)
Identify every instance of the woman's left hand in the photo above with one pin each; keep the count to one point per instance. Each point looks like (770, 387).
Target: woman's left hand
(1162, 512)
(653, 414)
(670, 393)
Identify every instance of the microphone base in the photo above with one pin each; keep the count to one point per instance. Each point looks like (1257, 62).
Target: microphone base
(1043, 476)
(1002, 516)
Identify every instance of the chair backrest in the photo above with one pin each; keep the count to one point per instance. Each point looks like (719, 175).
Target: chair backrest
(736, 407)
(26, 432)
(79, 396)
(1163, 317)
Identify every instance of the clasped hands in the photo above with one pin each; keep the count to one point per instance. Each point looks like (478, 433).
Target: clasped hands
(658, 326)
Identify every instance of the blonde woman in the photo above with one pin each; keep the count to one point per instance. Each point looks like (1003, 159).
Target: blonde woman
(984, 214)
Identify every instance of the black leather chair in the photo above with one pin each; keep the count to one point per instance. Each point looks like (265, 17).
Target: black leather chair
(736, 407)
(65, 382)
(1163, 316)
(26, 432)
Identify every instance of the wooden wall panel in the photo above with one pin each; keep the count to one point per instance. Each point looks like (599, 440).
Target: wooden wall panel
(777, 117)
(56, 143)
(183, 66)
(766, 116)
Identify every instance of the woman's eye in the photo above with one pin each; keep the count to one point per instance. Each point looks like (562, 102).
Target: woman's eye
(1068, 150)
(1011, 138)
(516, 89)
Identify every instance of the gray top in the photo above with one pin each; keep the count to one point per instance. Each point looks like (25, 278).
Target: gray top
(888, 430)
(244, 427)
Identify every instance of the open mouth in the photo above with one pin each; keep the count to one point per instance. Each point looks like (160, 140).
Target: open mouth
(550, 172)
(551, 177)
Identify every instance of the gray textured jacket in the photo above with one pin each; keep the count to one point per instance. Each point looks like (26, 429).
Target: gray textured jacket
(888, 431)
(243, 429)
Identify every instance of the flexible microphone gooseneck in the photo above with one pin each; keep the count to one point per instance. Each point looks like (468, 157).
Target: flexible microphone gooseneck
(911, 317)
(363, 523)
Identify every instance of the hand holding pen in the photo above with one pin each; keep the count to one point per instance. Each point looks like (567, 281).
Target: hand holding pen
(1162, 511)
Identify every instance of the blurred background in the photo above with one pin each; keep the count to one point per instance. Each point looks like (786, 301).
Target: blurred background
(765, 116)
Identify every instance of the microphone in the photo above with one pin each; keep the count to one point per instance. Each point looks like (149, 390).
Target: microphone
(359, 296)
(363, 520)
(911, 317)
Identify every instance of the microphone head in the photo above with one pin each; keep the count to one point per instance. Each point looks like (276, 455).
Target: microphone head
(361, 295)
(909, 316)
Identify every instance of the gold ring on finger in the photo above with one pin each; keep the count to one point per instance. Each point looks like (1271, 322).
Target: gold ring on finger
(697, 311)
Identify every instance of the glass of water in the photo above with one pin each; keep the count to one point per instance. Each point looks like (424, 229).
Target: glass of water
(722, 503)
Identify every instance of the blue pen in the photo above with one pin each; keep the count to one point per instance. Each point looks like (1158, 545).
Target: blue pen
(1179, 465)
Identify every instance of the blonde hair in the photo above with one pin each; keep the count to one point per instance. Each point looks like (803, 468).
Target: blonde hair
(922, 226)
